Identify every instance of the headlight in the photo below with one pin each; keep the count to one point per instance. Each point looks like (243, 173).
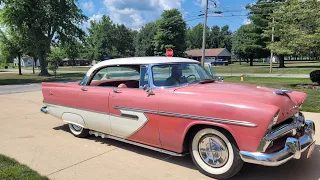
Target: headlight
(274, 120)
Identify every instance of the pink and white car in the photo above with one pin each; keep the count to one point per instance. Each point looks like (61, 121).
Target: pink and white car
(173, 105)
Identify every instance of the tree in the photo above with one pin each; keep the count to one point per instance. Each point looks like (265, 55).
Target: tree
(107, 39)
(144, 45)
(44, 21)
(297, 28)
(124, 41)
(260, 16)
(214, 39)
(72, 49)
(246, 43)
(55, 58)
(225, 38)
(11, 45)
(171, 33)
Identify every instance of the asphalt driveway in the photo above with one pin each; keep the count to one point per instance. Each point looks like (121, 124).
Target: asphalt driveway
(44, 144)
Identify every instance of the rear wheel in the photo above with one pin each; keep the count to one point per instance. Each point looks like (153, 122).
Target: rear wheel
(215, 154)
(78, 131)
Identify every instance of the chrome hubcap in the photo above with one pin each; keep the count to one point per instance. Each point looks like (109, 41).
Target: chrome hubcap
(76, 128)
(213, 151)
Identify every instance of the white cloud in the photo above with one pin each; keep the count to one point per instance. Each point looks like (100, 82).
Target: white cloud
(95, 18)
(88, 6)
(246, 21)
(136, 13)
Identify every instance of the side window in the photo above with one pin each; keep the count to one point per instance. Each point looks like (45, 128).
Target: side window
(117, 76)
(160, 74)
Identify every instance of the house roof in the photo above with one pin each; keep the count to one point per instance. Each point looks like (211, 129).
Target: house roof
(209, 52)
(140, 61)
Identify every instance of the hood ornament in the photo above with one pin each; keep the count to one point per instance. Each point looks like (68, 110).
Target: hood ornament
(282, 91)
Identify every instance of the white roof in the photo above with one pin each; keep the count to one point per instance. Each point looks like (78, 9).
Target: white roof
(140, 61)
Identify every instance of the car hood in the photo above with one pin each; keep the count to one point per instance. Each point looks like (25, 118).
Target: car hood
(288, 103)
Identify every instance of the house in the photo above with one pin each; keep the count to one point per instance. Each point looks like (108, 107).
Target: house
(211, 54)
(76, 62)
(26, 61)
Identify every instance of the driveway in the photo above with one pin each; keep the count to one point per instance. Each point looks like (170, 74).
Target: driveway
(44, 144)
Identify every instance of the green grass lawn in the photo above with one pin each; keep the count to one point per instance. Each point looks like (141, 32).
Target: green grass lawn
(311, 104)
(14, 78)
(292, 67)
(11, 169)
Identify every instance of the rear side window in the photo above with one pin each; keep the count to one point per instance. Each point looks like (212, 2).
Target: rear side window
(117, 73)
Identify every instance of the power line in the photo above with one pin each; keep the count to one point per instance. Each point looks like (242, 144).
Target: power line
(226, 9)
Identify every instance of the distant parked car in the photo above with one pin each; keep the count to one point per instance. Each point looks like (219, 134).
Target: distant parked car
(220, 62)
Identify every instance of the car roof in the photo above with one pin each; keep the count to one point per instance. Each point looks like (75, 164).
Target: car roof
(140, 61)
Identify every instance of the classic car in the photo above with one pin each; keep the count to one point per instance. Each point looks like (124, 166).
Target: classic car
(175, 106)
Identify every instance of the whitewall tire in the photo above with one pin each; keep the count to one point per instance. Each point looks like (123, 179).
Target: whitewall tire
(215, 153)
(78, 131)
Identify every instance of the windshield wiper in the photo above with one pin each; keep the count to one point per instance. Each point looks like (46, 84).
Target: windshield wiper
(205, 81)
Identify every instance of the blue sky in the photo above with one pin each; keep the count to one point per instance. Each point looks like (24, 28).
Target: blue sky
(136, 13)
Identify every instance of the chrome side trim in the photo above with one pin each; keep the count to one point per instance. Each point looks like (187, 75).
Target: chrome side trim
(136, 110)
(97, 134)
(51, 104)
(292, 149)
(187, 116)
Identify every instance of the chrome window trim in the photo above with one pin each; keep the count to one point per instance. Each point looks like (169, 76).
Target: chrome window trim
(187, 116)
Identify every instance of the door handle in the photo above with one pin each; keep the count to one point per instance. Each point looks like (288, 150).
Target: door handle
(117, 91)
(84, 89)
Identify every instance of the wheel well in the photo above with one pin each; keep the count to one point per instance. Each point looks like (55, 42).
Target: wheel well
(195, 128)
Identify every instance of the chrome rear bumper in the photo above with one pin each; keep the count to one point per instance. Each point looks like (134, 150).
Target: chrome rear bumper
(292, 150)
(44, 110)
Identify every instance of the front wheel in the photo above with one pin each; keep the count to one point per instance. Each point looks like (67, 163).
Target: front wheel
(215, 154)
(78, 131)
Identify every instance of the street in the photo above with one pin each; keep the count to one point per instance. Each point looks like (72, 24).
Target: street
(44, 144)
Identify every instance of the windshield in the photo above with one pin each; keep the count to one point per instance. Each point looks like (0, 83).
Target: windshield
(178, 74)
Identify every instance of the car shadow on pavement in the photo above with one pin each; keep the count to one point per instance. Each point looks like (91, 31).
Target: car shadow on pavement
(295, 169)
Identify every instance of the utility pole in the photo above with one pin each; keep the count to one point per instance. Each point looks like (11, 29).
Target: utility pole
(272, 40)
(204, 33)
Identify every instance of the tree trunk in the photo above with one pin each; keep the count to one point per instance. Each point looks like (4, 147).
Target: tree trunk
(247, 60)
(34, 64)
(251, 61)
(43, 65)
(281, 61)
(19, 63)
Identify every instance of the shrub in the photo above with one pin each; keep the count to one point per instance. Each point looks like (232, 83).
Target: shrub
(315, 76)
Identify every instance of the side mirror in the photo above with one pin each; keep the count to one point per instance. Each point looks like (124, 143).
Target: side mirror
(148, 90)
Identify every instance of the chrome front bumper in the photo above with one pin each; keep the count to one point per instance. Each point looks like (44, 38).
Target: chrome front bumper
(292, 149)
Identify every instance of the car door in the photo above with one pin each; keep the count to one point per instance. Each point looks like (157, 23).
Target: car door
(93, 103)
(94, 107)
(133, 113)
